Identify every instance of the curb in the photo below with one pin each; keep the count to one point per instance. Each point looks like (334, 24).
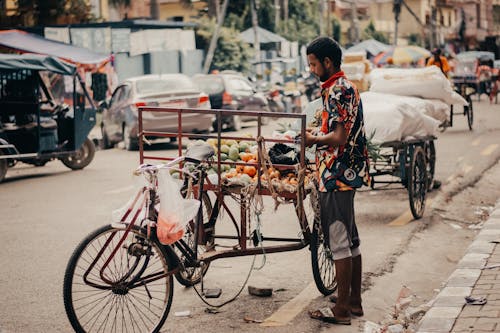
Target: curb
(450, 302)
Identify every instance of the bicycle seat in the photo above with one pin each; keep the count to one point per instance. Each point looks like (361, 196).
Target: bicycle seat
(198, 153)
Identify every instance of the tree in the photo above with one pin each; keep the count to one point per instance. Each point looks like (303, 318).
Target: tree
(46, 12)
(121, 5)
(302, 23)
(371, 32)
(232, 53)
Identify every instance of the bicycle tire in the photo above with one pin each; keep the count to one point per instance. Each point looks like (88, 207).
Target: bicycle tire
(469, 113)
(82, 300)
(430, 158)
(322, 262)
(417, 183)
(189, 276)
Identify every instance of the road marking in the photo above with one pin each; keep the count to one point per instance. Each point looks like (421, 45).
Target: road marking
(290, 310)
(406, 217)
(490, 149)
(476, 142)
(120, 190)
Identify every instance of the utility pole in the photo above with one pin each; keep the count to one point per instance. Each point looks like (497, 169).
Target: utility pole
(154, 10)
(354, 22)
(215, 37)
(433, 27)
(396, 9)
(329, 31)
(277, 11)
(255, 24)
(321, 10)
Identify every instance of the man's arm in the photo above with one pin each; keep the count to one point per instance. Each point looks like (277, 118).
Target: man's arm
(335, 138)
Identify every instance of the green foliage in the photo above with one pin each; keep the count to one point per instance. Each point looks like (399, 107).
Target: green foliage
(302, 24)
(371, 32)
(48, 11)
(120, 3)
(231, 52)
(415, 39)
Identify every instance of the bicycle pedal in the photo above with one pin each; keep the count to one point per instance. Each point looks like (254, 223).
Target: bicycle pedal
(256, 237)
(212, 293)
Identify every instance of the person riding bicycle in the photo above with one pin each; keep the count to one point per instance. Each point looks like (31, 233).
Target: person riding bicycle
(440, 61)
(342, 166)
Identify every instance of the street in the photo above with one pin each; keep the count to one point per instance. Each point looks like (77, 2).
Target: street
(47, 211)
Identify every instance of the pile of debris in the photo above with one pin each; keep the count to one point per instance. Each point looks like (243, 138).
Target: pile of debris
(404, 318)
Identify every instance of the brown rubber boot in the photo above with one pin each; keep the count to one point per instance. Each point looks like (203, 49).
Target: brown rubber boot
(343, 270)
(355, 299)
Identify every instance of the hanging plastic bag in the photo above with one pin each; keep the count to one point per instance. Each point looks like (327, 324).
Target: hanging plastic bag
(175, 211)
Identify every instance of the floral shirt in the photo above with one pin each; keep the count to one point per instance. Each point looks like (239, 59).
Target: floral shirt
(345, 167)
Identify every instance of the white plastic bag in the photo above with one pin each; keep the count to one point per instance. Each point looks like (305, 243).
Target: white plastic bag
(175, 211)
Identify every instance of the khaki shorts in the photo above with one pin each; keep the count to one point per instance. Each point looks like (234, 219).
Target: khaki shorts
(339, 226)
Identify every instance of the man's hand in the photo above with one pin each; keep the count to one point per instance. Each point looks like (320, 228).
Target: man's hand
(310, 139)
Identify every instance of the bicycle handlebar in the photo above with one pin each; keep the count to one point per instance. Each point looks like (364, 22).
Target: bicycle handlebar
(152, 168)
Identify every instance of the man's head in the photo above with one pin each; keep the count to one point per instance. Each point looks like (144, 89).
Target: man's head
(324, 55)
(436, 52)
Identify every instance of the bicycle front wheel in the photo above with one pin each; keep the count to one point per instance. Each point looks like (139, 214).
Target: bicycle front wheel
(138, 294)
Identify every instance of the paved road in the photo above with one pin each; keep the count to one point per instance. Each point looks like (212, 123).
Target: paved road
(46, 211)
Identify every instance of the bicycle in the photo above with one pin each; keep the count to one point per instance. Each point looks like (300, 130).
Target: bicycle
(120, 277)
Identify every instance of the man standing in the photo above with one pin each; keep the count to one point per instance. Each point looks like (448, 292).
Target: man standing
(342, 166)
(440, 61)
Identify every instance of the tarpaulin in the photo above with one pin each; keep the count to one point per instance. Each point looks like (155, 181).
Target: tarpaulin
(36, 62)
(26, 42)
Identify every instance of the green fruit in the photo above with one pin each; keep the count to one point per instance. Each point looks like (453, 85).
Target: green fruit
(176, 175)
(243, 146)
(234, 154)
(223, 156)
(224, 149)
(231, 142)
(212, 142)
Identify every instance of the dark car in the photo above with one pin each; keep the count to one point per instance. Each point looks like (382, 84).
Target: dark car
(120, 119)
(232, 91)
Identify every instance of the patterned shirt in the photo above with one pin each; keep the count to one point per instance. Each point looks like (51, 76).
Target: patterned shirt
(345, 167)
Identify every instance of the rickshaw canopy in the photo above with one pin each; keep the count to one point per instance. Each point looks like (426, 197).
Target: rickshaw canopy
(36, 62)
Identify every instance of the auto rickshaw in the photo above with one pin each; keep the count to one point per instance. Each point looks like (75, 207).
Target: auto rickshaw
(43, 113)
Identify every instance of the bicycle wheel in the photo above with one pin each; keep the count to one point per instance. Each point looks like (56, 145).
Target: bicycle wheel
(189, 275)
(430, 158)
(469, 112)
(417, 182)
(140, 295)
(323, 267)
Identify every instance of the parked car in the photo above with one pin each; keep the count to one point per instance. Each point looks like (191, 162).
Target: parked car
(120, 115)
(232, 91)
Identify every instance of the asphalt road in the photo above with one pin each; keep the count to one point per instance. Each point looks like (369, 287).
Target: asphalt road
(47, 210)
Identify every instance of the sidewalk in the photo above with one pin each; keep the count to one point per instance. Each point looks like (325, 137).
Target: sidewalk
(477, 275)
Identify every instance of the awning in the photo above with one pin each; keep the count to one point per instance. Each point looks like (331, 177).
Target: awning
(30, 43)
(265, 36)
(36, 62)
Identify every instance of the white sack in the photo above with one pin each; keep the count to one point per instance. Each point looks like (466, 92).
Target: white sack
(395, 118)
(427, 82)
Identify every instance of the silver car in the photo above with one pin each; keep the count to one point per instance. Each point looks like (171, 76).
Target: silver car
(120, 115)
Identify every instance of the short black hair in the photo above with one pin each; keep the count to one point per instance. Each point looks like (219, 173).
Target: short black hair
(323, 47)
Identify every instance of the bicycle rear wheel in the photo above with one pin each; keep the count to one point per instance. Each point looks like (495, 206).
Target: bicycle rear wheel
(469, 110)
(139, 297)
(323, 267)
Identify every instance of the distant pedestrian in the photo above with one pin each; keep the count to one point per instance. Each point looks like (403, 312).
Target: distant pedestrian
(440, 61)
(342, 166)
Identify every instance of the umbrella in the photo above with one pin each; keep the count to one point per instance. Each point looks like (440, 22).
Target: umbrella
(402, 54)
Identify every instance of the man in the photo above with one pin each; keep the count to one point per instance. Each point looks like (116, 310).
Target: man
(342, 166)
(440, 61)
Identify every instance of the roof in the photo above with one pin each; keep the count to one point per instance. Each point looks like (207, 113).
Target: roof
(371, 46)
(30, 43)
(36, 62)
(265, 36)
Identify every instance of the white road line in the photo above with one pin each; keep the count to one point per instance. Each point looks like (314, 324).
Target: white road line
(490, 149)
(290, 310)
(120, 190)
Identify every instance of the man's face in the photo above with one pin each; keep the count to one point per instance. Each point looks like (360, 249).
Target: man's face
(317, 68)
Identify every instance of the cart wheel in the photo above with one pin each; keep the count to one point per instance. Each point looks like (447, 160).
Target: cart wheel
(4, 165)
(451, 116)
(323, 267)
(189, 276)
(469, 112)
(417, 182)
(430, 158)
(82, 157)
